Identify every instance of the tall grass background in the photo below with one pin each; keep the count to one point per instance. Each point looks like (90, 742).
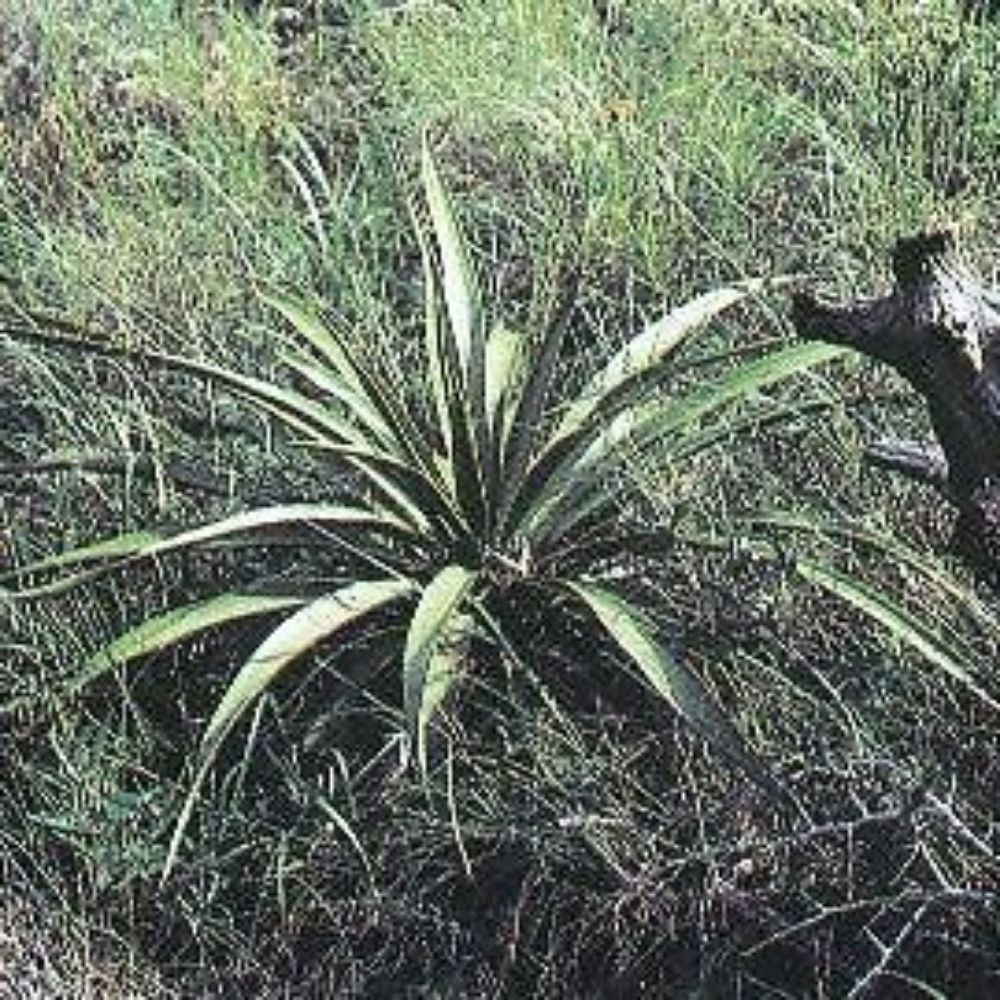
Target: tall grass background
(161, 164)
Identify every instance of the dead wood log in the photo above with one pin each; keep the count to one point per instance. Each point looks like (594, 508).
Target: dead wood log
(940, 329)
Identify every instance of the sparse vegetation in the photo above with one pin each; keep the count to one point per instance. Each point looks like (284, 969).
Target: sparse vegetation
(173, 177)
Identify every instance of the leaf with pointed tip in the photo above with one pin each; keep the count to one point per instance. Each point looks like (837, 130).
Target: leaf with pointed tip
(505, 358)
(392, 410)
(647, 351)
(301, 632)
(600, 494)
(340, 822)
(423, 502)
(444, 669)
(431, 623)
(395, 497)
(651, 421)
(295, 636)
(313, 212)
(461, 472)
(294, 409)
(460, 358)
(117, 552)
(671, 679)
(328, 345)
(307, 190)
(319, 424)
(322, 517)
(118, 547)
(924, 564)
(441, 375)
(172, 627)
(505, 362)
(904, 625)
(458, 283)
(529, 409)
(355, 405)
(554, 499)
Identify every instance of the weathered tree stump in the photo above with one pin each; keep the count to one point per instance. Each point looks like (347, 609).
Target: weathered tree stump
(940, 329)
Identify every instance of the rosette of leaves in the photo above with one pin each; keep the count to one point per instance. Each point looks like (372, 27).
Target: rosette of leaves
(499, 493)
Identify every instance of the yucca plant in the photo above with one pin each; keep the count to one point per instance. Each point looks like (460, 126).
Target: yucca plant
(496, 497)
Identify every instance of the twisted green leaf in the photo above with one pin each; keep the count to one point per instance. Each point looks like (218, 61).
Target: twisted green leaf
(431, 624)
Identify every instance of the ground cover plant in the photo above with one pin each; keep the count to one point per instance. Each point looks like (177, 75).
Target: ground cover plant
(163, 165)
(477, 509)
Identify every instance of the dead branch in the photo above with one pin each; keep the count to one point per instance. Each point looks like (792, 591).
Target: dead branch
(939, 328)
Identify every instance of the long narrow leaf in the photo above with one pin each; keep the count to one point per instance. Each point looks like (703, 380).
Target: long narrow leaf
(901, 623)
(505, 361)
(526, 424)
(293, 638)
(368, 384)
(118, 547)
(421, 500)
(431, 623)
(116, 552)
(328, 345)
(440, 374)
(301, 632)
(671, 679)
(505, 357)
(458, 283)
(891, 547)
(647, 351)
(650, 421)
(294, 409)
(592, 460)
(355, 405)
(462, 356)
(462, 470)
(596, 495)
(393, 496)
(172, 627)
(313, 211)
(444, 669)
(318, 423)
(323, 518)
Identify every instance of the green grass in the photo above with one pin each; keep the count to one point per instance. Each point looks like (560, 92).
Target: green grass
(691, 145)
